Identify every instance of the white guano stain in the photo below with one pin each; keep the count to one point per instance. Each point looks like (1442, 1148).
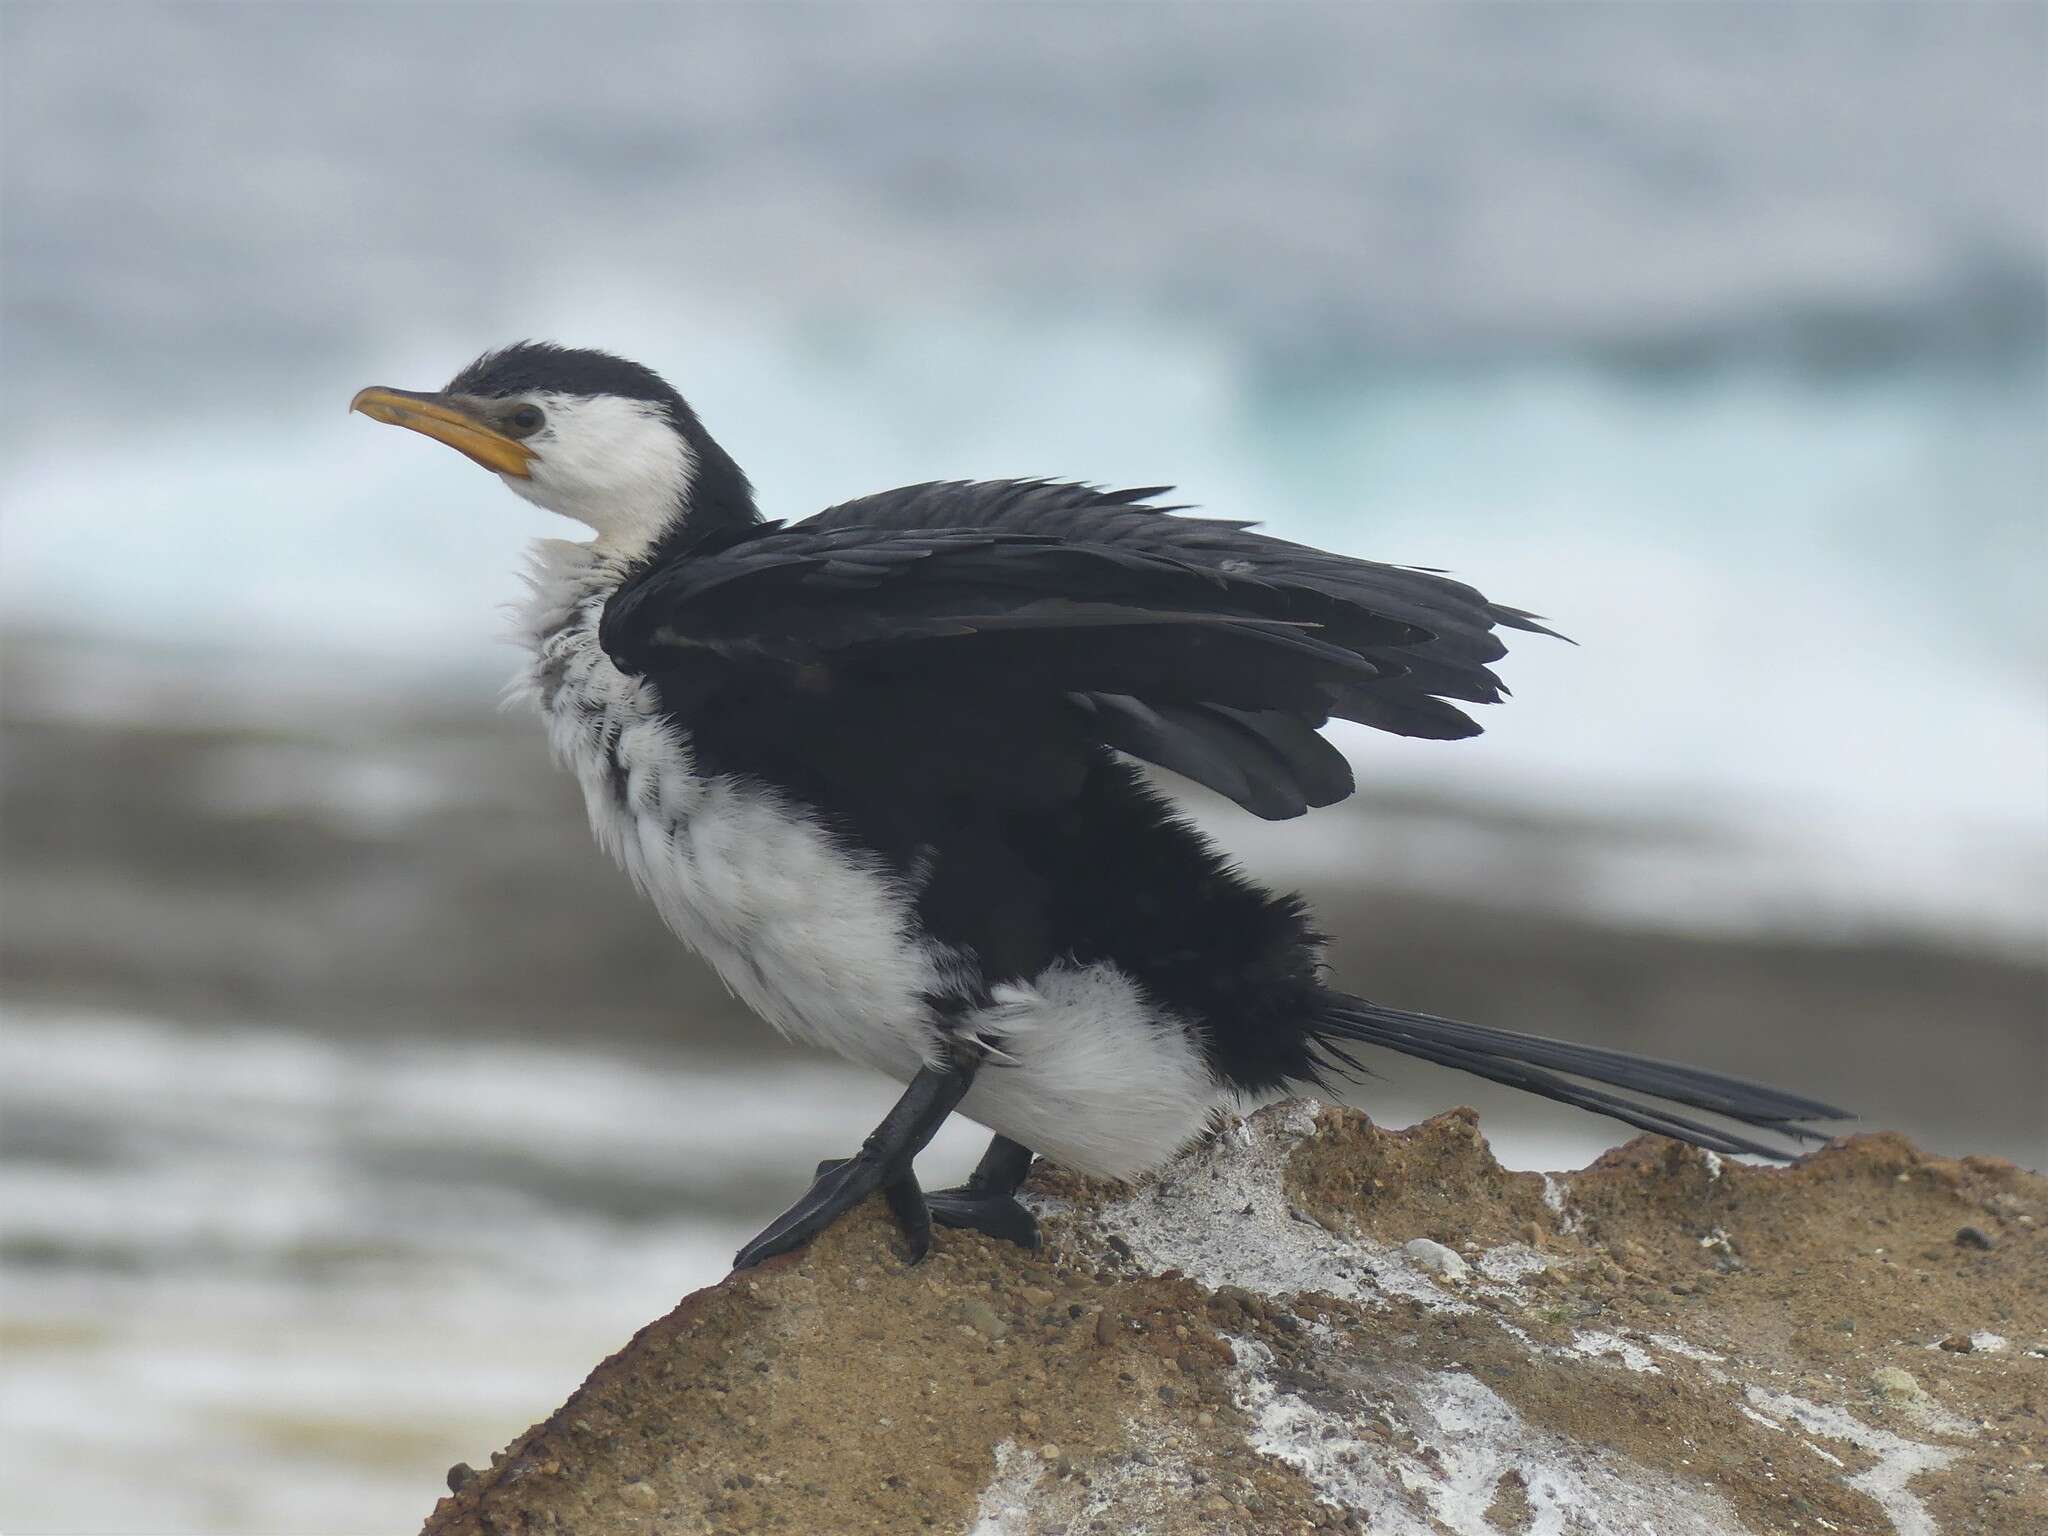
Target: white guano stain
(1466, 1439)
(1221, 1215)
(1512, 1263)
(1596, 1345)
(1025, 1497)
(1898, 1460)
(1555, 1196)
(1671, 1344)
(1425, 1451)
(1006, 1503)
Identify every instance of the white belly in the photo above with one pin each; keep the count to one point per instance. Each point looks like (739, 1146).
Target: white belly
(818, 942)
(824, 945)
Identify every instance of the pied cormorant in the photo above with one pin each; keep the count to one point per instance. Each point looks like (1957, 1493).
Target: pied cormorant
(875, 766)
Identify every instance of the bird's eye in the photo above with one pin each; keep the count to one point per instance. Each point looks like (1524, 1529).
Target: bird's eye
(527, 420)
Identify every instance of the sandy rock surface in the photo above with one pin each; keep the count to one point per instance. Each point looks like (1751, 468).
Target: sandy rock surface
(1310, 1324)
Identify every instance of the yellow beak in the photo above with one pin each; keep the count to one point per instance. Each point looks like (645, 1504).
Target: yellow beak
(447, 420)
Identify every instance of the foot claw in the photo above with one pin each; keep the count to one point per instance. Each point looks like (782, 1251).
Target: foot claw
(907, 1201)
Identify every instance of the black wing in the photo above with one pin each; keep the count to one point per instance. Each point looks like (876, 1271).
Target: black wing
(1190, 643)
(1450, 661)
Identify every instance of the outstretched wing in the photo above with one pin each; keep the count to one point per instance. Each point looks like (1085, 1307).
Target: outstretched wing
(1450, 661)
(1190, 643)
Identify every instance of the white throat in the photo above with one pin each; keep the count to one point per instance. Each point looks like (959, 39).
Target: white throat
(617, 466)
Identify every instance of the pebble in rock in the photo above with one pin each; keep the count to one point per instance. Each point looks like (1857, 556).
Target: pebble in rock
(1436, 1258)
(981, 1317)
(1893, 1382)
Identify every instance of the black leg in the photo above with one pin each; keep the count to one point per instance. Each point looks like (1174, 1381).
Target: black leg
(987, 1202)
(1002, 1168)
(883, 1162)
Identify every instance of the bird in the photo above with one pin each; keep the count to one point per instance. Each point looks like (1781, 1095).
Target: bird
(882, 769)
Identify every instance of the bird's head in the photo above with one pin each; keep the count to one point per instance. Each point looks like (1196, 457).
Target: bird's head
(582, 433)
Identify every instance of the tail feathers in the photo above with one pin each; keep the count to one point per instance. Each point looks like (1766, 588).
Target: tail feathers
(1534, 1063)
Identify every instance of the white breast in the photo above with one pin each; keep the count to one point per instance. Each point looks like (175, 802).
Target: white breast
(822, 942)
(817, 940)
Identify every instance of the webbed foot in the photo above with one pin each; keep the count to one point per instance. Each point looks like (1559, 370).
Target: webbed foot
(976, 1210)
(987, 1202)
(883, 1163)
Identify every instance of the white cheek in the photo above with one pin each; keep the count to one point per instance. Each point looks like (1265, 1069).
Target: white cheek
(616, 466)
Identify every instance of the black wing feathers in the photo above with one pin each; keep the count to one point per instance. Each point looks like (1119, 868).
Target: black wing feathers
(1267, 761)
(1189, 642)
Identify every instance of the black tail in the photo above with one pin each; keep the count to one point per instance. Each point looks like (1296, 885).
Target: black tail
(1527, 1061)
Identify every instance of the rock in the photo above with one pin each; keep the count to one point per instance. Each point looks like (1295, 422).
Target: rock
(981, 1317)
(1239, 1369)
(1893, 1382)
(1973, 1237)
(1436, 1258)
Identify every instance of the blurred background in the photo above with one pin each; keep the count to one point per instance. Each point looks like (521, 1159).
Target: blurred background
(352, 1105)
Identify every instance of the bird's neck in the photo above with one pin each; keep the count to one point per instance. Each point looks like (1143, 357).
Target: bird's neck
(568, 583)
(717, 503)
